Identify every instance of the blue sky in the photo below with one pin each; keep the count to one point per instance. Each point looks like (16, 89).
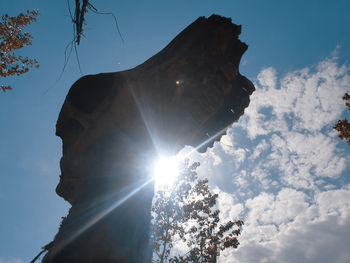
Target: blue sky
(281, 167)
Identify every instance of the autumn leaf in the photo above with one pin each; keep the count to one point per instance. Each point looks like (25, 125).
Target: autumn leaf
(12, 38)
(343, 126)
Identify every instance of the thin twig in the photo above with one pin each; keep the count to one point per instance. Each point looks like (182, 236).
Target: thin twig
(93, 9)
(77, 56)
(66, 59)
(75, 47)
(70, 12)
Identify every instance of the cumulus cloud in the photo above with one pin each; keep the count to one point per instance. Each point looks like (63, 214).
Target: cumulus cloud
(282, 169)
(230, 209)
(289, 229)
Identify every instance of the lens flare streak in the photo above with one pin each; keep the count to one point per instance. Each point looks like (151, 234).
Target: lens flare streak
(109, 209)
(99, 216)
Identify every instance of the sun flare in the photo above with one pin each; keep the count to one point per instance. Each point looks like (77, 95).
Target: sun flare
(165, 171)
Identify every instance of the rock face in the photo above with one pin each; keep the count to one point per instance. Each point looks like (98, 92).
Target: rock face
(113, 125)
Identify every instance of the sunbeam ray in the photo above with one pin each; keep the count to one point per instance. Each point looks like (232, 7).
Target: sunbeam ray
(219, 133)
(98, 216)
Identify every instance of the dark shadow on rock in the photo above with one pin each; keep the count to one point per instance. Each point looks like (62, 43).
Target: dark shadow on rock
(113, 125)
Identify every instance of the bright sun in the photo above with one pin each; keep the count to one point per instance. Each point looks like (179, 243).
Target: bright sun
(165, 171)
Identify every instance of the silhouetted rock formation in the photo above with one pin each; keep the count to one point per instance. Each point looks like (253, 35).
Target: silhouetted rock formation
(113, 125)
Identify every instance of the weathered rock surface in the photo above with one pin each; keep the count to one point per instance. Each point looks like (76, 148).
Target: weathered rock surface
(113, 125)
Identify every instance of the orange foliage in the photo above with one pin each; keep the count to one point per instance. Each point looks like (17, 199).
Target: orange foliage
(343, 126)
(12, 38)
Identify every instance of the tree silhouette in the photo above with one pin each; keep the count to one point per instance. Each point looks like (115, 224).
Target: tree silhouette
(185, 213)
(12, 38)
(343, 126)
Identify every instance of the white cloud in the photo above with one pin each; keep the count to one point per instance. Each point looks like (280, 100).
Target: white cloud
(294, 117)
(281, 169)
(303, 100)
(285, 228)
(335, 203)
(229, 208)
(268, 77)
